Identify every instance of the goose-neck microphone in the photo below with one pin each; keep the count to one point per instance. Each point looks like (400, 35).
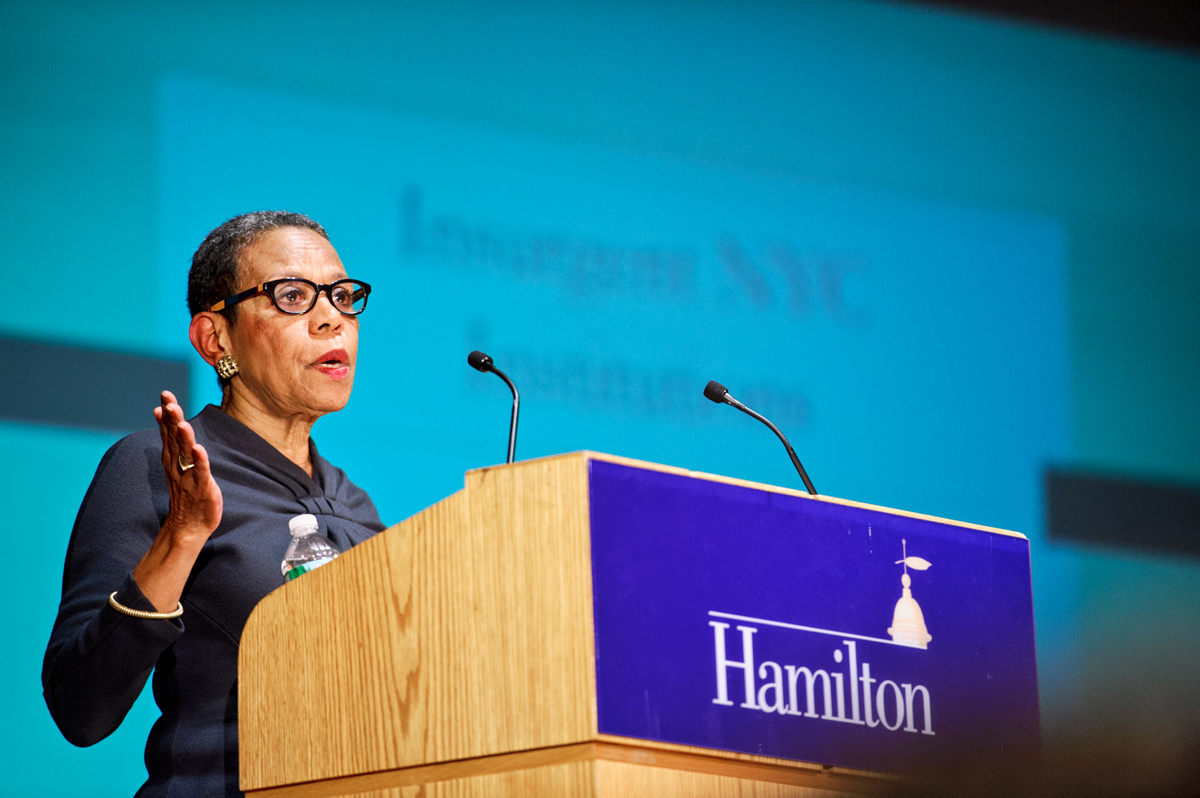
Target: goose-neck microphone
(720, 394)
(483, 363)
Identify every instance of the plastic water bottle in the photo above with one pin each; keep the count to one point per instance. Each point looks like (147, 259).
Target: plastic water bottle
(308, 550)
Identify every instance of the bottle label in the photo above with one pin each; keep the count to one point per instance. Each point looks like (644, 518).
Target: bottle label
(304, 568)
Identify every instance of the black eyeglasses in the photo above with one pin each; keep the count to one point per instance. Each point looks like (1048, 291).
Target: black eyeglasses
(296, 296)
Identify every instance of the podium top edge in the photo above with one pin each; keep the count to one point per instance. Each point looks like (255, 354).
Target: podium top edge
(649, 466)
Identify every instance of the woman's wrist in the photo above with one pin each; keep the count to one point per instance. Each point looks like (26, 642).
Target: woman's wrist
(164, 570)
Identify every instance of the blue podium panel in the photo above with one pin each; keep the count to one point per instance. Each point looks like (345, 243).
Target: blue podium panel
(742, 619)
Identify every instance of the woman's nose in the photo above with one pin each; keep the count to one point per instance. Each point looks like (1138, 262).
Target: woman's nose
(324, 314)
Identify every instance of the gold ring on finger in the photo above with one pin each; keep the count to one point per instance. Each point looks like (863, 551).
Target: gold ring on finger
(184, 467)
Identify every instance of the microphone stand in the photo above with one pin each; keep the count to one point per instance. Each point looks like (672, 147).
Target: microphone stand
(718, 393)
(483, 363)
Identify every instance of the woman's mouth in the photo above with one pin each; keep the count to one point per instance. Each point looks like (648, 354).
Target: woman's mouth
(334, 363)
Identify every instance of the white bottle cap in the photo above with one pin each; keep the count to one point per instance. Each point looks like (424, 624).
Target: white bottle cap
(303, 524)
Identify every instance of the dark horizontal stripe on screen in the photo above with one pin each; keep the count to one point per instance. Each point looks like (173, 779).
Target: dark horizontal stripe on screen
(1113, 511)
(70, 386)
(1175, 23)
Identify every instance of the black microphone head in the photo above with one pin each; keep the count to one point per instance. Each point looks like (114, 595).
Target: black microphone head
(715, 391)
(479, 361)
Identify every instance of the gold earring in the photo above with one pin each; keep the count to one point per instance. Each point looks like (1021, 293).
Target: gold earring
(227, 367)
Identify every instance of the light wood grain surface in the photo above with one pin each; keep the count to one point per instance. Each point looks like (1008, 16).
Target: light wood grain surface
(462, 632)
(551, 781)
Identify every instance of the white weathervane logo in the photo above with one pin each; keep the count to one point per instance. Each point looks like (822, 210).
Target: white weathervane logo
(908, 622)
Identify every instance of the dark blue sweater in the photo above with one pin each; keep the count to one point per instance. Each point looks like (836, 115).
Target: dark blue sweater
(98, 659)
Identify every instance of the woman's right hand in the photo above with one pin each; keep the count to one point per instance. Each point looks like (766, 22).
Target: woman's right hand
(196, 501)
(194, 514)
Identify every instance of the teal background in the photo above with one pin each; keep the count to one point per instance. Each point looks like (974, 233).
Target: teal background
(1080, 150)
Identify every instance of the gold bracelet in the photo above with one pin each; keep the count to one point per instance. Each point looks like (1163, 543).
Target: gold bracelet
(166, 616)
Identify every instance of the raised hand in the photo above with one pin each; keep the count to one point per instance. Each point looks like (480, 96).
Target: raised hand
(194, 514)
(196, 501)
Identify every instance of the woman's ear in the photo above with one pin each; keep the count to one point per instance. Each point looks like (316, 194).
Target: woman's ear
(210, 336)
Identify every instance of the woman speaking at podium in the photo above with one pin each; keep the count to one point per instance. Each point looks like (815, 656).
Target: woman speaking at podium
(183, 530)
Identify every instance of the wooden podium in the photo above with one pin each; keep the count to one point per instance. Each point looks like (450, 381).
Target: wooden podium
(455, 654)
